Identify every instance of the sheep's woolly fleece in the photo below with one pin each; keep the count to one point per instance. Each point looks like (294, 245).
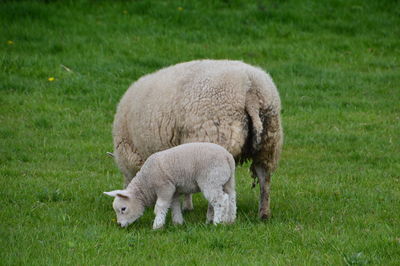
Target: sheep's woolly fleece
(229, 103)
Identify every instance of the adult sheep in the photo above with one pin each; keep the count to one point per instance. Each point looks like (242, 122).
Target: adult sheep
(226, 102)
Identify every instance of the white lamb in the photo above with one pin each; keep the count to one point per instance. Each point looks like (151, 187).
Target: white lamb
(187, 168)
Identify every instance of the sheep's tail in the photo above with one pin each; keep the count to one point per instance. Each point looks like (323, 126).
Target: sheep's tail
(256, 126)
(266, 135)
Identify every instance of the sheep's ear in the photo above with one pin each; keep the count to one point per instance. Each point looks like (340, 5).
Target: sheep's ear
(120, 193)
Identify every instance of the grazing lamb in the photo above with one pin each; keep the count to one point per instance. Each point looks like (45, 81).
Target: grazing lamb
(229, 103)
(187, 168)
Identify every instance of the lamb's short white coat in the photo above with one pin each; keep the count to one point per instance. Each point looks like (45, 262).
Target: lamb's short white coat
(184, 169)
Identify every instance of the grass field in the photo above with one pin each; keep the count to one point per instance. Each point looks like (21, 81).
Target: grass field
(336, 196)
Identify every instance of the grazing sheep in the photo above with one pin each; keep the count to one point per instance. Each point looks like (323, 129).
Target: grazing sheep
(187, 168)
(229, 103)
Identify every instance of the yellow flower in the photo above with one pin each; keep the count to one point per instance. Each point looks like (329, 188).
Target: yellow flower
(10, 42)
(180, 8)
(113, 219)
(51, 79)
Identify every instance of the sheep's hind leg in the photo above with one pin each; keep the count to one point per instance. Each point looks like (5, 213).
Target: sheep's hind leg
(264, 178)
(177, 217)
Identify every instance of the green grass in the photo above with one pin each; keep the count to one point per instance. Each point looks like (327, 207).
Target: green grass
(335, 196)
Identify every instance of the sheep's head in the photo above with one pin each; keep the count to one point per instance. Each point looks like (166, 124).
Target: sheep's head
(127, 207)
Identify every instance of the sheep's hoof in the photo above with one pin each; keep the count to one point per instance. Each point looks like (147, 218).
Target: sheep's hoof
(265, 216)
(187, 208)
(264, 213)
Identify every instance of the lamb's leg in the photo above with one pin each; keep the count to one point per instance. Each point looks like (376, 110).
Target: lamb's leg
(162, 205)
(219, 202)
(264, 179)
(212, 188)
(229, 188)
(161, 210)
(187, 202)
(177, 217)
(210, 213)
(221, 208)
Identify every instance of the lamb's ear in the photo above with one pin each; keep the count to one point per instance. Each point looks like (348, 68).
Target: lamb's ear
(123, 194)
(120, 193)
(114, 193)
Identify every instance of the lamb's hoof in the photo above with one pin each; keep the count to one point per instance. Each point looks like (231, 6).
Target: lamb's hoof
(178, 222)
(157, 228)
(230, 221)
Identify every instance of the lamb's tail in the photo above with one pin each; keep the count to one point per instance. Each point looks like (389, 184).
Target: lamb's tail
(232, 166)
(229, 188)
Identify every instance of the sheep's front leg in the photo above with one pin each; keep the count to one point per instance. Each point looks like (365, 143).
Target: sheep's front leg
(177, 217)
(264, 178)
(210, 214)
(161, 210)
(187, 202)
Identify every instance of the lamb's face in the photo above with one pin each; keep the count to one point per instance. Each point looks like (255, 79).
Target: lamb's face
(127, 207)
(127, 210)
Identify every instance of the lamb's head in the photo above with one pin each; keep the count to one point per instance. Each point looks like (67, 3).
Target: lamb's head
(127, 207)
